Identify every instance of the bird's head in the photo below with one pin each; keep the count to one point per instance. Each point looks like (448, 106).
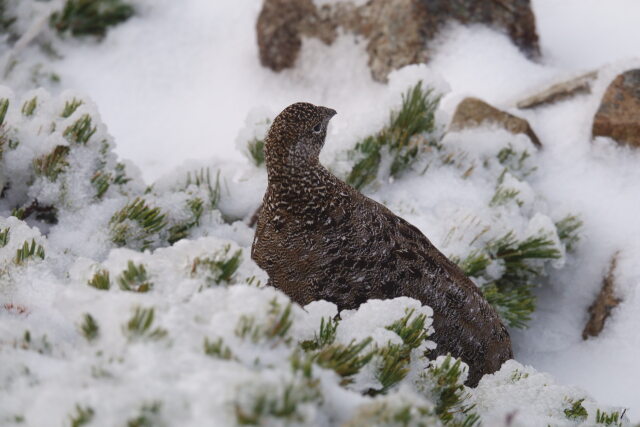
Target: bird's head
(297, 135)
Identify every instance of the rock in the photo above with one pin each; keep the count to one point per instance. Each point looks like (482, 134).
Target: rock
(396, 31)
(474, 112)
(619, 114)
(278, 27)
(560, 91)
(606, 301)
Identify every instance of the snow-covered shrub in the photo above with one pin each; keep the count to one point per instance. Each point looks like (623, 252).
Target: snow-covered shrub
(409, 132)
(146, 295)
(186, 353)
(90, 17)
(57, 162)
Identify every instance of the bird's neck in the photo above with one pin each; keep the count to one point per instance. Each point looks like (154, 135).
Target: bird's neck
(299, 179)
(290, 167)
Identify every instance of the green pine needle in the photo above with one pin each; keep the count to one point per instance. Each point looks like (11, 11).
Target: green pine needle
(135, 278)
(150, 222)
(217, 349)
(345, 360)
(393, 368)
(148, 416)
(219, 269)
(89, 327)
(256, 150)
(181, 231)
(202, 178)
(80, 131)
(612, 419)
(275, 328)
(576, 411)
(282, 405)
(100, 280)
(53, 164)
(140, 326)
(27, 252)
(475, 264)
(514, 304)
(4, 237)
(83, 416)
(502, 196)
(411, 329)
(399, 138)
(70, 107)
(101, 181)
(450, 395)
(121, 177)
(279, 327)
(326, 336)
(568, 231)
(4, 107)
(29, 107)
(512, 294)
(90, 17)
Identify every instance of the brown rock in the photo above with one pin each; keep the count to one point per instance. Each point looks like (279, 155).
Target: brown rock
(560, 91)
(606, 301)
(619, 114)
(397, 31)
(474, 112)
(278, 28)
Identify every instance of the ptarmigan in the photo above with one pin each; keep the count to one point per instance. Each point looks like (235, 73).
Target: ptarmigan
(319, 238)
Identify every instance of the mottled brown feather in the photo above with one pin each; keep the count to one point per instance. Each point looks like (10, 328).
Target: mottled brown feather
(319, 238)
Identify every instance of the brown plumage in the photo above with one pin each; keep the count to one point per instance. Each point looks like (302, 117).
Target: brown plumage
(319, 238)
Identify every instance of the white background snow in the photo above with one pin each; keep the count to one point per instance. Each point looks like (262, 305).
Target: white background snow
(177, 82)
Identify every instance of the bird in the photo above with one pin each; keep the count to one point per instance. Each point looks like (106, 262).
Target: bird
(318, 238)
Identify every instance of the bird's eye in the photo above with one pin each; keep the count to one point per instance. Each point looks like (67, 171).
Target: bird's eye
(317, 128)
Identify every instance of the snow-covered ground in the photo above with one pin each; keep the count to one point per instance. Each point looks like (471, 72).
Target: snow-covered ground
(177, 83)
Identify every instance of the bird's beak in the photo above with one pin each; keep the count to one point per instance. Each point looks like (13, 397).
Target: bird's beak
(330, 112)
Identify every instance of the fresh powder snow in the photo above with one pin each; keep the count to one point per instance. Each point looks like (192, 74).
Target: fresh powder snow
(176, 94)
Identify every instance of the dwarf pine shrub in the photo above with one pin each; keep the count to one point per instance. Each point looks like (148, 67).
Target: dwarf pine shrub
(256, 151)
(83, 415)
(217, 349)
(181, 230)
(609, 419)
(324, 337)
(568, 231)
(406, 134)
(100, 280)
(282, 404)
(391, 413)
(29, 107)
(395, 358)
(444, 380)
(81, 130)
(137, 224)
(29, 251)
(90, 17)
(135, 278)
(140, 325)
(345, 360)
(52, 164)
(89, 327)
(202, 179)
(511, 294)
(221, 268)
(576, 411)
(275, 328)
(148, 415)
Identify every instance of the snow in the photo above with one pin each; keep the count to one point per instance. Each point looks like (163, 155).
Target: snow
(180, 87)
